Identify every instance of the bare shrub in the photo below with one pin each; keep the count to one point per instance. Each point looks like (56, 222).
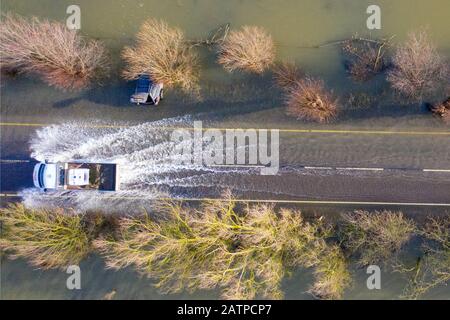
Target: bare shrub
(419, 70)
(433, 268)
(59, 56)
(286, 75)
(162, 53)
(442, 110)
(249, 49)
(50, 238)
(332, 276)
(308, 99)
(375, 236)
(244, 253)
(366, 57)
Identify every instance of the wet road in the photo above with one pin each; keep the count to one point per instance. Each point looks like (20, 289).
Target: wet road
(314, 167)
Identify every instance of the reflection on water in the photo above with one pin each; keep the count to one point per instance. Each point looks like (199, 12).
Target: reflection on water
(20, 281)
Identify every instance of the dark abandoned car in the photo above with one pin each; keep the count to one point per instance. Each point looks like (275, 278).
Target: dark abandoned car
(147, 92)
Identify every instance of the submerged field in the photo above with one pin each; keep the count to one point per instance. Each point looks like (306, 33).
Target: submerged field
(235, 100)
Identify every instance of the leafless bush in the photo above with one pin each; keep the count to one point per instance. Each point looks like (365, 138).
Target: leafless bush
(162, 53)
(332, 276)
(419, 70)
(51, 238)
(286, 74)
(245, 253)
(308, 99)
(443, 110)
(375, 236)
(250, 49)
(56, 54)
(366, 57)
(433, 267)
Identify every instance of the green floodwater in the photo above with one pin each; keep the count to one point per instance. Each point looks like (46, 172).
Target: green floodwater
(294, 24)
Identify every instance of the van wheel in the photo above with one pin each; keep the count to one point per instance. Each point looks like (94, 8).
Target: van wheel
(161, 94)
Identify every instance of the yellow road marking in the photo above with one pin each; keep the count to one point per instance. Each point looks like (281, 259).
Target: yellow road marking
(24, 124)
(375, 203)
(379, 132)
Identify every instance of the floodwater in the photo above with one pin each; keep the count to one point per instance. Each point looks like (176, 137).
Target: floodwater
(233, 101)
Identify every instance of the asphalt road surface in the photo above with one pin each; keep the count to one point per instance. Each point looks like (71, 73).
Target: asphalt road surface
(315, 167)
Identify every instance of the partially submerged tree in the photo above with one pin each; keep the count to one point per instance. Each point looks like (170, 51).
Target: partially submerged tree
(332, 276)
(433, 268)
(249, 49)
(245, 253)
(59, 56)
(308, 99)
(305, 97)
(442, 110)
(365, 57)
(419, 70)
(163, 53)
(48, 238)
(375, 236)
(286, 75)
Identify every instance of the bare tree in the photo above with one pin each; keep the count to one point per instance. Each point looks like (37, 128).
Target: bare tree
(309, 99)
(286, 75)
(375, 236)
(433, 267)
(332, 276)
(163, 53)
(50, 238)
(365, 57)
(249, 49)
(244, 253)
(419, 70)
(442, 110)
(61, 57)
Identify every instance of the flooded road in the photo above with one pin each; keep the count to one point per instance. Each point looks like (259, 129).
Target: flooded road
(312, 166)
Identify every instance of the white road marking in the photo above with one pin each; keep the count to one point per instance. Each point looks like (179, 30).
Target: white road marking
(235, 165)
(362, 169)
(14, 161)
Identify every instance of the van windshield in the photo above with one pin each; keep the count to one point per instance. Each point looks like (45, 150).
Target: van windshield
(41, 175)
(62, 176)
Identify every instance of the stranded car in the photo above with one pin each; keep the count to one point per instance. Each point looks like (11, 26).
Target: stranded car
(73, 176)
(147, 92)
